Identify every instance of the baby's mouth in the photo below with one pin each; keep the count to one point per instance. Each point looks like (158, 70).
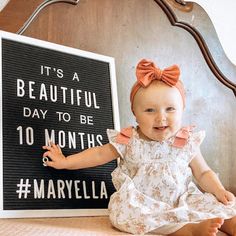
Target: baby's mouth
(161, 127)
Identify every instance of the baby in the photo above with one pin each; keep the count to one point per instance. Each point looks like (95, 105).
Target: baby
(154, 188)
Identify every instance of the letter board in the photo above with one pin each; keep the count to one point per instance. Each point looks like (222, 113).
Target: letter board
(69, 96)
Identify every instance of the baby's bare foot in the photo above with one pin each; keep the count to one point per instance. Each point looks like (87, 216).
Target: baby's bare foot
(207, 227)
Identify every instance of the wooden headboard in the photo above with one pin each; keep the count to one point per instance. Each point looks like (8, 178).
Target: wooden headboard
(163, 30)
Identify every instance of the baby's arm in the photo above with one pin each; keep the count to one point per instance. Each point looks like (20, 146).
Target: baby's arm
(208, 180)
(88, 158)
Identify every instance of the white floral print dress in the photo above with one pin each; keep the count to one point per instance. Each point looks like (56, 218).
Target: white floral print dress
(154, 187)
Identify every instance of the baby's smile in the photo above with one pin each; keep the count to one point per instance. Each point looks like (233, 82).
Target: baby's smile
(161, 127)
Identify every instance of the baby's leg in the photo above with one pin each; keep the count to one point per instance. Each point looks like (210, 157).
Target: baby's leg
(205, 228)
(229, 226)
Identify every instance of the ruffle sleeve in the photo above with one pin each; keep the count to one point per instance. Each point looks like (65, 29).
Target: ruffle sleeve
(195, 141)
(112, 137)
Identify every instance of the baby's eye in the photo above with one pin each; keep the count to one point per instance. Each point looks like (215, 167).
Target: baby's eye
(170, 109)
(149, 110)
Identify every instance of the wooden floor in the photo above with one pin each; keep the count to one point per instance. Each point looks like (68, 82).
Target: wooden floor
(60, 227)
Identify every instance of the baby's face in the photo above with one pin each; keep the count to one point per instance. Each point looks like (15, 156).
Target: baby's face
(158, 110)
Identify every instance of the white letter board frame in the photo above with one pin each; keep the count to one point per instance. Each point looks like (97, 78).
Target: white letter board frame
(73, 53)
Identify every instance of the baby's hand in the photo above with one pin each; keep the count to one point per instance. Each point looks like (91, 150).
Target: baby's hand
(58, 160)
(225, 197)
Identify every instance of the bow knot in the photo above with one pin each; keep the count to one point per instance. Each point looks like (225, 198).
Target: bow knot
(147, 71)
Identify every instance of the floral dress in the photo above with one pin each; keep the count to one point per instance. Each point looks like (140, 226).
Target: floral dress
(154, 187)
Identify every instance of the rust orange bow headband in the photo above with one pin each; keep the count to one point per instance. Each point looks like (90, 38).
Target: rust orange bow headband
(147, 71)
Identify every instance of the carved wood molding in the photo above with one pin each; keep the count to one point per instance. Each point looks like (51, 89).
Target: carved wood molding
(184, 6)
(40, 8)
(24, 13)
(201, 43)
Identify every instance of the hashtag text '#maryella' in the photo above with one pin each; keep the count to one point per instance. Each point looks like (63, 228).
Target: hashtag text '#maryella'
(60, 189)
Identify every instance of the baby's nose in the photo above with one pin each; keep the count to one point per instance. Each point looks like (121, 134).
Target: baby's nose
(160, 116)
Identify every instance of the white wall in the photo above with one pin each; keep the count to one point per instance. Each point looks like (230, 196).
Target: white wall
(3, 3)
(223, 17)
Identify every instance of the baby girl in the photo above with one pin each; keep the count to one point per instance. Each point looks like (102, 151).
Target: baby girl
(158, 158)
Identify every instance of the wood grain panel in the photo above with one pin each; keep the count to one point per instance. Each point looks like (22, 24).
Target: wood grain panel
(16, 13)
